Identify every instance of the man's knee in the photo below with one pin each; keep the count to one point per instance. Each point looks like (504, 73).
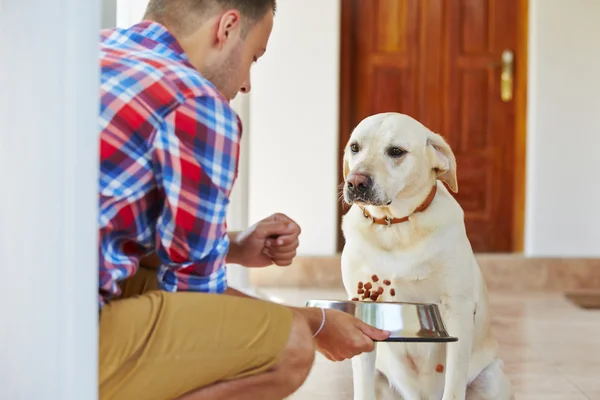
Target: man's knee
(298, 356)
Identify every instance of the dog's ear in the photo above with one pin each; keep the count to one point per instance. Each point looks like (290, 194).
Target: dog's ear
(442, 160)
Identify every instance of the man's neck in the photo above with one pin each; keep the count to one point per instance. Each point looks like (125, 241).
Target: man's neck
(197, 48)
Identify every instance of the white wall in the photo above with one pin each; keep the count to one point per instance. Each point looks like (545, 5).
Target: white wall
(295, 108)
(48, 207)
(237, 212)
(130, 12)
(109, 13)
(294, 122)
(563, 187)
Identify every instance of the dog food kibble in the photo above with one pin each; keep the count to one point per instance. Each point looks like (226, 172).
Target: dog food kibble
(361, 291)
(368, 286)
(387, 282)
(374, 278)
(380, 290)
(393, 292)
(374, 296)
(355, 299)
(360, 285)
(439, 368)
(367, 293)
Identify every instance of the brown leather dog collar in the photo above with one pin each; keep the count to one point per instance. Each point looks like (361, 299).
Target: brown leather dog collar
(389, 221)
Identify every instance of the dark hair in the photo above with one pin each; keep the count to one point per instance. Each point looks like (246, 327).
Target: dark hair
(176, 13)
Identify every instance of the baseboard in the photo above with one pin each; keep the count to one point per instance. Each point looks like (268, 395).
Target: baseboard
(501, 272)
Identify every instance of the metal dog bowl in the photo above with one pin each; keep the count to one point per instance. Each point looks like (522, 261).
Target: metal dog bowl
(408, 322)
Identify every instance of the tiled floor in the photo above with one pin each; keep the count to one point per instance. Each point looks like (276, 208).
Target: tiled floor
(551, 348)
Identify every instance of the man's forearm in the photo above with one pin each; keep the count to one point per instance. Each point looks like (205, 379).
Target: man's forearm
(152, 261)
(313, 316)
(234, 254)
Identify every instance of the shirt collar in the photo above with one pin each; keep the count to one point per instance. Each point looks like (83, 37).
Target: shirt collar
(158, 33)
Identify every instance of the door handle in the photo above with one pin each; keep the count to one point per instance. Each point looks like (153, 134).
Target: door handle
(506, 76)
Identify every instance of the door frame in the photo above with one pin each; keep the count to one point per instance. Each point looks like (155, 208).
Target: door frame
(521, 76)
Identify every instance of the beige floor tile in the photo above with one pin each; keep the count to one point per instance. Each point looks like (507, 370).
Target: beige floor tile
(551, 349)
(593, 394)
(584, 375)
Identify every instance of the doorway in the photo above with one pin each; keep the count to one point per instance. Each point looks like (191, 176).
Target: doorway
(459, 67)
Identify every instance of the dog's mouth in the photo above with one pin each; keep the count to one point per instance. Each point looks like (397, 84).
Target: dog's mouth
(365, 200)
(372, 203)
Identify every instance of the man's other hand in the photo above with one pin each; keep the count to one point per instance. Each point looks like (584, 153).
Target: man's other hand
(273, 240)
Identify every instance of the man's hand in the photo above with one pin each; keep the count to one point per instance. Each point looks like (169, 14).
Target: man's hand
(273, 240)
(343, 336)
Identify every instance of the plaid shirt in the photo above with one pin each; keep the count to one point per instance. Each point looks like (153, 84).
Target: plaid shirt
(169, 147)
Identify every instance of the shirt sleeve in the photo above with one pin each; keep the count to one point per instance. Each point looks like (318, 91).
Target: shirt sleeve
(195, 161)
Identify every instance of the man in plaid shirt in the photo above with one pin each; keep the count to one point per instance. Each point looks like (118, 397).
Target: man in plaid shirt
(169, 145)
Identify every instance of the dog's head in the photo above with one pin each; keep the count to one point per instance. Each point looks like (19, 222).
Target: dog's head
(391, 156)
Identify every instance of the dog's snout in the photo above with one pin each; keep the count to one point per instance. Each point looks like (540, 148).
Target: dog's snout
(359, 183)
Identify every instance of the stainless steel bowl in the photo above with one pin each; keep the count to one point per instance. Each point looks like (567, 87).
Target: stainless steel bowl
(408, 322)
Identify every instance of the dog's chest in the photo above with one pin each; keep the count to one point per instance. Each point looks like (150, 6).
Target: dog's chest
(370, 283)
(395, 277)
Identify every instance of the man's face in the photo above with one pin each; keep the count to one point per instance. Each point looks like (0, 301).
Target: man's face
(230, 70)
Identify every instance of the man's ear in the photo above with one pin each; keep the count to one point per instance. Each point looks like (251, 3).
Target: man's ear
(442, 160)
(227, 23)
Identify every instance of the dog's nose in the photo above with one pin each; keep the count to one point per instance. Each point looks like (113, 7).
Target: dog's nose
(359, 182)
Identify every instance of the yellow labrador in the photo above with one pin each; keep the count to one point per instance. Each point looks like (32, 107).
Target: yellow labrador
(405, 228)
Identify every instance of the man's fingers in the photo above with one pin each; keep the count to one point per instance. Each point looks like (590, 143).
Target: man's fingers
(283, 262)
(274, 228)
(283, 219)
(279, 217)
(284, 242)
(372, 332)
(282, 256)
(288, 248)
(367, 346)
(326, 353)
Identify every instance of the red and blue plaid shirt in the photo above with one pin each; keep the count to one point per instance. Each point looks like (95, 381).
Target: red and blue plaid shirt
(169, 147)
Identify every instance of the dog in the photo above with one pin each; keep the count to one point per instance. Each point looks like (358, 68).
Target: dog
(405, 228)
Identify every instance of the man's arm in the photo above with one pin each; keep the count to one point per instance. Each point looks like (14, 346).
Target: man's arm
(195, 160)
(234, 255)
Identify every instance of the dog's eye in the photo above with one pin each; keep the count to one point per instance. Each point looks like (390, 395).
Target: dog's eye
(354, 148)
(396, 152)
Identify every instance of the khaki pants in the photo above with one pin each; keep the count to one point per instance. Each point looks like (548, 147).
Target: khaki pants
(156, 345)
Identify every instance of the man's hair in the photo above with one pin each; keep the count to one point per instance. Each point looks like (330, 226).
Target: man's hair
(184, 15)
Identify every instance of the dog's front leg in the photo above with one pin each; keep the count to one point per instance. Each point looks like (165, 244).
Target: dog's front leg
(459, 323)
(363, 375)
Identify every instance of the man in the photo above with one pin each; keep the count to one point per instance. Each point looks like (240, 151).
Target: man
(169, 325)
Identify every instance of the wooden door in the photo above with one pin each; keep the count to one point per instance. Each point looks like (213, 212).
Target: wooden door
(439, 61)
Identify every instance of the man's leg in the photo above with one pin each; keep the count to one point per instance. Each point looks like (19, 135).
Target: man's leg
(164, 345)
(282, 380)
